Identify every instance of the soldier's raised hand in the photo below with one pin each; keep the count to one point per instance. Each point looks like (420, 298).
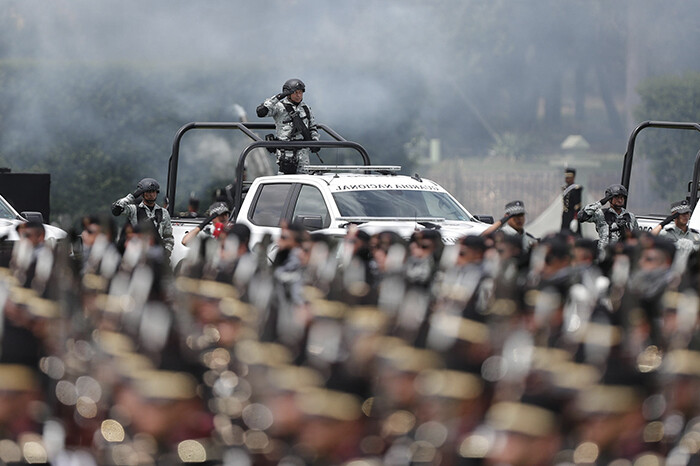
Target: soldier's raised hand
(606, 199)
(284, 93)
(669, 219)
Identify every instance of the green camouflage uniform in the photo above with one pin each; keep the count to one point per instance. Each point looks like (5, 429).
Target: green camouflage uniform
(165, 228)
(608, 233)
(285, 127)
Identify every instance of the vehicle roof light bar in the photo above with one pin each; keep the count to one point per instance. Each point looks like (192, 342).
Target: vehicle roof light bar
(390, 219)
(347, 168)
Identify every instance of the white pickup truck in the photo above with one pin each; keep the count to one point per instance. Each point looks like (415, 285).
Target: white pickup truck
(648, 220)
(330, 197)
(10, 219)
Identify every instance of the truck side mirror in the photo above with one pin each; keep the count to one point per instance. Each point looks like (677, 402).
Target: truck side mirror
(485, 218)
(33, 216)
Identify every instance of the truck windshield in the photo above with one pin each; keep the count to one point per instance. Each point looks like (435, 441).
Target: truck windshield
(399, 203)
(6, 211)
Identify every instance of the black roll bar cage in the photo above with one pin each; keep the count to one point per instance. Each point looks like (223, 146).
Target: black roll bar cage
(629, 155)
(247, 128)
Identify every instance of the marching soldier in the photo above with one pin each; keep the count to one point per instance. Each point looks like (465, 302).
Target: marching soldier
(294, 122)
(571, 197)
(612, 223)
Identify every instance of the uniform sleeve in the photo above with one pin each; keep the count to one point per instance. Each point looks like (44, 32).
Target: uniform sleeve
(634, 224)
(602, 228)
(590, 212)
(313, 128)
(124, 206)
(168, 239)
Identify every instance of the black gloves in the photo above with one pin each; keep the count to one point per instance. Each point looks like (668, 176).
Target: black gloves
(284, 94)
(606, 199)
(505, 219)
(137, 192)
(621, 224)
(261, 111)
(207, 221)
(117, 209)
(669, 219)
(315, 149)
(213, 213)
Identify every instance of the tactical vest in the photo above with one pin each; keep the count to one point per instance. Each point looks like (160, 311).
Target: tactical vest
(611, 216)
(298, 125)
(142, 214)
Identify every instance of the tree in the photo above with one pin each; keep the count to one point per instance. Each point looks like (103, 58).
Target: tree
(671, 153)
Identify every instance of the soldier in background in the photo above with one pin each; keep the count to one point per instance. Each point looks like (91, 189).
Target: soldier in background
(680, 215)
(147, 209)
(612, 223)
(294, 122)
(218, 214)
(513, 224)
(192, 207)
(571, 197)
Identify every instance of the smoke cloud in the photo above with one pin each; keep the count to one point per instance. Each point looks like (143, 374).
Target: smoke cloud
(462, 71)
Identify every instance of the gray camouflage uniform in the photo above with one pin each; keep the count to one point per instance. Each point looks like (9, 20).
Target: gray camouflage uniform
(165, 228)
(528, 239)
(285, 126)
(674, 233)
(606, 234)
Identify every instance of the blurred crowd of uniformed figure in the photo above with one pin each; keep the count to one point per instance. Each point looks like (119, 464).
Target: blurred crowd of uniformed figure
(362, 350)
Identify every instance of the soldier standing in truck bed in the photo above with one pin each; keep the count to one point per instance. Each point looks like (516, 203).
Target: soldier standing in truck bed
(294, 122)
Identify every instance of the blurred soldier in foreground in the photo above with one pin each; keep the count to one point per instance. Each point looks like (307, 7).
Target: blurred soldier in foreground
(571, 197)
(612, 223)
(147, 209)
(294, 122)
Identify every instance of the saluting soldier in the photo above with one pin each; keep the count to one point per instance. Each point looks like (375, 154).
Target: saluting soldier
(513, 224)
(571, 197)
(147, 209)
(679, 229)
(612, 223)
(293, 122)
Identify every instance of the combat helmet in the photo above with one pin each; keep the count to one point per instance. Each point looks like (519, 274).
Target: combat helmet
(294, 84)
(615, 190)
(148, 184)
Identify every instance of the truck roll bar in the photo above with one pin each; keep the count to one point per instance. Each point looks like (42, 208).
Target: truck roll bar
(247, 128)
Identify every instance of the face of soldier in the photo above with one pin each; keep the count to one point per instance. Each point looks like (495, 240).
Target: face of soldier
(89, 234)
(653, 259)
(617, 202)
(517, 221)
(33, 235)
(469, 255)
(569, 179)
(149, 197)
(682, 221)
(297, 96)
